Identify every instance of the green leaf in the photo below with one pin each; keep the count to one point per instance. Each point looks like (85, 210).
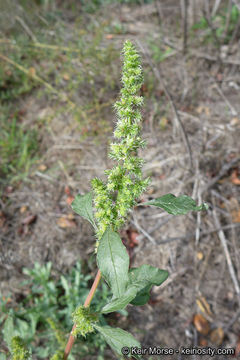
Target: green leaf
(82, 205)
(65, 285)
(113, 262)
(142, 297)
(143, 278)
(2, 356)
(42, 352)
(176, 205)
(145, 275)
(22, 329)
(118, 338)
(33, 317)
(8, 330)
(140, 283)
(120, 303)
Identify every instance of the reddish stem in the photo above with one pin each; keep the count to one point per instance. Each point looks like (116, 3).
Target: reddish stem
(88, 300)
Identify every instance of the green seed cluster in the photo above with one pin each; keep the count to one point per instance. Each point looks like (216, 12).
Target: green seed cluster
(19, 350)
(84, 321)
(124, 184)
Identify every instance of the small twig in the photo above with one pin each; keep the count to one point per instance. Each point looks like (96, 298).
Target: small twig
(193, 10)
(68, 147)
(184, 9)
(88, 300)
(199, 197)
(149, 237)
(55, 47)
(160, 13)
(46, 177)
(191, 235)
(89, 167)
(227, 254)
(62, 96)
(26, 28)
(43, 46)
(160, 164)
(170, 44)
(207, 8)
(42, 19)
(231, 108)
(231, 322)
(206, 14)
(215, 7)
(195, 341)
(228, 18)
(174, 276)
(154, 228)
(214, 59)
(190, 116)
(169, 96)
(234, 237)
(69, 179)
(204, 267)
(234, 35)
(222, 172)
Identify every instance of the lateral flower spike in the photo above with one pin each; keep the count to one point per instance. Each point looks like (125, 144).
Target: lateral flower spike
(124, 184)
(19, 350)
(84, 321)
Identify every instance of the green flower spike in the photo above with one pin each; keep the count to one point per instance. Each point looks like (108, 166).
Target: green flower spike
(124, 184)
(84, 321)
(19, 350)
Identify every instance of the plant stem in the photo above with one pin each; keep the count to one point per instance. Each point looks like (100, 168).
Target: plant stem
(88, 300)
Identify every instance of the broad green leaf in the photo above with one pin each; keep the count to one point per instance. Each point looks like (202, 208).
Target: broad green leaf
(140, 283)
(82, 205)
(34, 317)
(143, 278)
(146, 275)
(23, 329)
(113, 262)
(118, 339)
(142, 297)
(122, 302)
(8, 330)
(176, 205)
(2, 356)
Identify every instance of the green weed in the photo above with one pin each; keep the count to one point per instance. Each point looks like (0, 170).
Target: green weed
(51, 302)
(159, 53)
(18, 147)
(70, 71)
(13, 83)
(224, 30)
